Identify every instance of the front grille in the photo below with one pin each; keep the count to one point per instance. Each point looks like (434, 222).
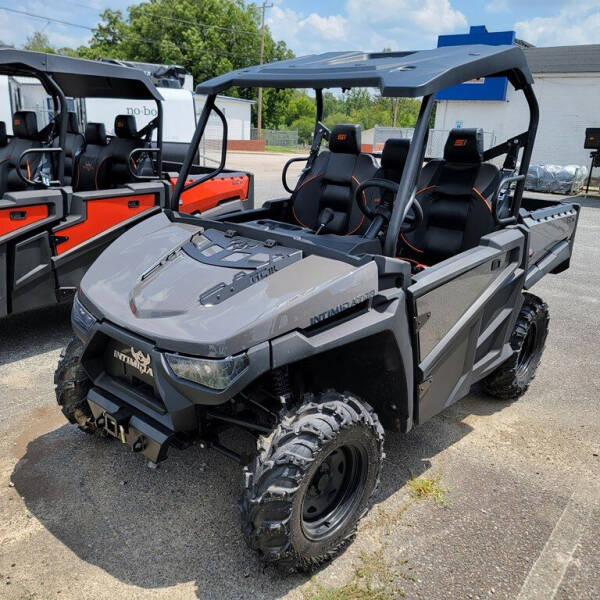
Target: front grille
(130, 366)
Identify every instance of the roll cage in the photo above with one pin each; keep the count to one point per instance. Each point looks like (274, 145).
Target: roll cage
(396, 74)
(64, 77)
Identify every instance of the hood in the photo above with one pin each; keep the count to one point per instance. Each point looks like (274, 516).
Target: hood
(209, 294)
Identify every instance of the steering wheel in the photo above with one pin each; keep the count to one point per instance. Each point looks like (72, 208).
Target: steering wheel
(383, 212)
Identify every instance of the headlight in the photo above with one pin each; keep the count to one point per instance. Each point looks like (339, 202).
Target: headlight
(216, 374)
(81, 316)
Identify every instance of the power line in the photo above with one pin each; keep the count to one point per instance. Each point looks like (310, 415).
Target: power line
(197, 24)
(123, 35)
(42, 18)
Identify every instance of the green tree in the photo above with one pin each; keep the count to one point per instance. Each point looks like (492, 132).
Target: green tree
(208, 38)
(305, 127)
(38, 42)
(335, 118)
(299, 106)
(110, 37)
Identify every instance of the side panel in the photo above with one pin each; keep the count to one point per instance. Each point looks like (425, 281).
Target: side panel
(33, 284)
(209, 194)
(12, 219)
(95, 220)
(101, 213)
(26, 279)
(465, 309)
(3, 282)
(29, 211)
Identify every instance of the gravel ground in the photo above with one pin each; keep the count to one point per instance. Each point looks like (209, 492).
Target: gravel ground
(85, 518)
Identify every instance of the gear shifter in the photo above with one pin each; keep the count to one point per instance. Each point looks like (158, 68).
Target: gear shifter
(325, 218)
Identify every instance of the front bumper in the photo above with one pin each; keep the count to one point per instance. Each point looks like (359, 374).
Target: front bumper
(140, 432)
(169, 403)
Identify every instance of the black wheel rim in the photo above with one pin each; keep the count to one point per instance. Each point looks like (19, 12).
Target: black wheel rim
(334, 491)
(528, 351)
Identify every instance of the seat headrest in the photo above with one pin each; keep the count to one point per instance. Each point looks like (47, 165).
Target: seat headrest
(25, 124)
(125, 126)
(72, 123)
(345, 139)
(464, 146)
(394, 153)
(3, 138)
(95, 133)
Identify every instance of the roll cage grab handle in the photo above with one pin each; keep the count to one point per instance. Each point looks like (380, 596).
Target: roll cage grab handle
(320, 133)
(180, 186)
(29, 181)
(60, 105)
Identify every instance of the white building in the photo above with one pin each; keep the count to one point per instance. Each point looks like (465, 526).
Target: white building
(567, 86)
(181, 109)
(238, 113)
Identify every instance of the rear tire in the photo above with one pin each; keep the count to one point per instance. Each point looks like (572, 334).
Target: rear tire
(312, 480)
(72, 386)
(511, 379)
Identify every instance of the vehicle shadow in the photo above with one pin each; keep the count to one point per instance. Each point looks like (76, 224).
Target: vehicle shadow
(180, 522)
(34, 332)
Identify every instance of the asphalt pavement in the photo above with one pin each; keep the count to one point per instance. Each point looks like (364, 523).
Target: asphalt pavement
(519, 519)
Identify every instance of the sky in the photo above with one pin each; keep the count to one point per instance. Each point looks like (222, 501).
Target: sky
(309, 26)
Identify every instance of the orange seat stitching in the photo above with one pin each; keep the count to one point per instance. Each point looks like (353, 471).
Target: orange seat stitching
(365, 202)
(483, 198)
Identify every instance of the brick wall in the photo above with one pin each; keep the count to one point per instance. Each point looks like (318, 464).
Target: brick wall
(248, 145)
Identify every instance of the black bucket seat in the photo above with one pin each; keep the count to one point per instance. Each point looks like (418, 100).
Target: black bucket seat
(393, 159)
(73, 147)
(90, 167)
(456, 197)
(330, 183)
(25, 137)
(125, 140)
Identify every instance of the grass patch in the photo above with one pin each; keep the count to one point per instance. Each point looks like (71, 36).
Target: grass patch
(375, 578)
(427, 487)
(284, 149)
(384, 518)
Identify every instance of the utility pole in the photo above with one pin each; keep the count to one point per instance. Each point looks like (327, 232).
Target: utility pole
(262, 52)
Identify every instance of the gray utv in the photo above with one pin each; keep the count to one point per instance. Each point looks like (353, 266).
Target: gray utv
(372, 297)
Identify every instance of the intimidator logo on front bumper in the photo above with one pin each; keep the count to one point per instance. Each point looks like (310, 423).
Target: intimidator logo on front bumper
(138, 360)
(341, 307)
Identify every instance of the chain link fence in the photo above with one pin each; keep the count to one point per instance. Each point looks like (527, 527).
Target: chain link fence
(435, 142)
(209, 149)
(276, 137)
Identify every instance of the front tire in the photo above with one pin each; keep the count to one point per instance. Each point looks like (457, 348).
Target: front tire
(312, 480)
(72, 386)
(511, 379)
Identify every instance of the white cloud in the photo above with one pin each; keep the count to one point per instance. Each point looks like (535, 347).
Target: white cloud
(395, 24)
(305, 31)
(497, 6)
(15, 28)
(575, 23)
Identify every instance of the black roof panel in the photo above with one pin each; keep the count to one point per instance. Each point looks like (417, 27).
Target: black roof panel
(78, 77)
(410, 74)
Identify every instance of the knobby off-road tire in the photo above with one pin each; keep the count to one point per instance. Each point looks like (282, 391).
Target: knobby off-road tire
(71, 387)
(511, 379)
(312, 480)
